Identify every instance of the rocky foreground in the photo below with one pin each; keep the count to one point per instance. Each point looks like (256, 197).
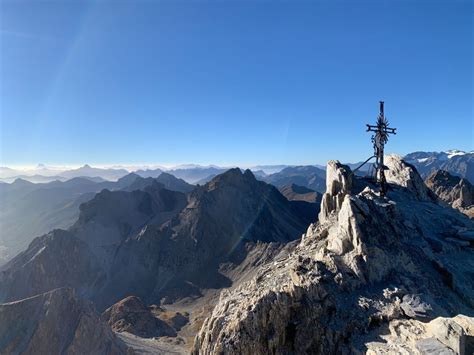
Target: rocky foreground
(375, 275)
(55, 322)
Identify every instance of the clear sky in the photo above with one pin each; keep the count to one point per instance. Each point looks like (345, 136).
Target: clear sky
(231, 82)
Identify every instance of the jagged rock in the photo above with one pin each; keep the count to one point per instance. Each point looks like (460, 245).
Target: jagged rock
(440, 336)
(369, 263)
(57, 259)
(131, 315)
(455, 191)
(403, 174)
(56, 322)
(157, 244)
(450, 333)
(338, 185)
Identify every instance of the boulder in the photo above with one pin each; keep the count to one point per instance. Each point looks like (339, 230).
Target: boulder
(132, 316)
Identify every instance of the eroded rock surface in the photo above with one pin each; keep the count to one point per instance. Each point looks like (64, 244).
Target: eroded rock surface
(133, 316)
(56, 322)
(369, 264)
(157, 244)
(455, 191)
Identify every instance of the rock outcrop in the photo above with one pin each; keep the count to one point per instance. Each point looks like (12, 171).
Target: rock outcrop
(369, 265)
(403, 174)
(56, 322)
(455, 191)
(338, 185)
(131, 315)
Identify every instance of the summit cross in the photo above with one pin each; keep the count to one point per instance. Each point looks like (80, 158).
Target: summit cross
(380, 137)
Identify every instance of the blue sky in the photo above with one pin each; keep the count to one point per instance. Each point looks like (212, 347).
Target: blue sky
(231, 82)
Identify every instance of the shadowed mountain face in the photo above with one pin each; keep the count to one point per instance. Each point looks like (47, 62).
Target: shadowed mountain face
(295, 192)
(155, 243)
(56, 322)
(56, 205)
(308, 176)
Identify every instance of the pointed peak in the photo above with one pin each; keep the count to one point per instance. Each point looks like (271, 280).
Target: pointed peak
(164, 174)
(234, 176)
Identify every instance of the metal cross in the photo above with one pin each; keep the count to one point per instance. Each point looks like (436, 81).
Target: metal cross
(379, 139)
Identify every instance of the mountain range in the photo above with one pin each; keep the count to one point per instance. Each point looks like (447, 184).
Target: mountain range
(55, 204)
(233, 266)
(28, 210)
(156, 243)
(456, 162)
(239, 265)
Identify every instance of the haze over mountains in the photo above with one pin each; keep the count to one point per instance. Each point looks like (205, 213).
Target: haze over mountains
(458, 163)
(156, 243)
(28, 210)
(239, 266)
(55, 204)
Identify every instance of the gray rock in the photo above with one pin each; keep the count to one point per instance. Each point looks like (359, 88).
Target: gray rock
(56, 322)
(332, 294)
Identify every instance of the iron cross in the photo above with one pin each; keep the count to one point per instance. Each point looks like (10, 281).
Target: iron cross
(379, 138)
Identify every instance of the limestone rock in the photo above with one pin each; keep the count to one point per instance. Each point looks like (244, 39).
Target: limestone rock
(131, 315)
(455, 191)
(56, 322)
(403, 174)
(367, 265)
(338, 185)
(450, 333)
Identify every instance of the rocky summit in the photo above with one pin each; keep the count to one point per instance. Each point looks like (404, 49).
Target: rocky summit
(377, 275)
(235, 267)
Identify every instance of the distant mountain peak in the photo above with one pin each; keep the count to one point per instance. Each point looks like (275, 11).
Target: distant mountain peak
(20, 181)
(234, 176)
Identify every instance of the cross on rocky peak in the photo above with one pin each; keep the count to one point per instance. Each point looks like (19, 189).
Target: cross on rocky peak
(381, 133)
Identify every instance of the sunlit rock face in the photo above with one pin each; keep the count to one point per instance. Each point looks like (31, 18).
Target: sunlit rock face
(403, 174)
(370, 265)
(338, 185)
